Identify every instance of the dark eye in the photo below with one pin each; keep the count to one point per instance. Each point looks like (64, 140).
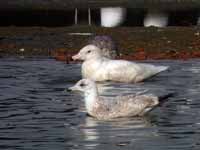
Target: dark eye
(82, 84)
(89, 51)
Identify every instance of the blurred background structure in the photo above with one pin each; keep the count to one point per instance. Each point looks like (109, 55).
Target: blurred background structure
(107, 13)
(59, 28)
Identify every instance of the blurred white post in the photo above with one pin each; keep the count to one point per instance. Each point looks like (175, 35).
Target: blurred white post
(112, 16)
(156, 18)
(76, 16)
(89, 16)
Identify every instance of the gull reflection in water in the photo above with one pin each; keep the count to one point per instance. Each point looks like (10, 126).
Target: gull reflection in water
(91, 135)
(98, 132)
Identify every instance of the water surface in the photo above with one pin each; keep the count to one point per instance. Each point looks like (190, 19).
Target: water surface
(36, 113)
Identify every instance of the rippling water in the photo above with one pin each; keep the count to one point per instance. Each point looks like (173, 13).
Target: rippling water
(36, 113)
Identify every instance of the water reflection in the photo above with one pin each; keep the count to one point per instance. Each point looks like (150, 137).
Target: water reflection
(97, 133)
(91, 135)
(37, 113)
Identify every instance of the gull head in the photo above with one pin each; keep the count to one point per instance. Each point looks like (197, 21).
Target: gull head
(88, 52)
(84, 85)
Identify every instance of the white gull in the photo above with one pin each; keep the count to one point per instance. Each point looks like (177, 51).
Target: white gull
(99, 68)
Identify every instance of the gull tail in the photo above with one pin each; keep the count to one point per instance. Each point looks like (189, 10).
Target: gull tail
(161, 68)
(163, 98)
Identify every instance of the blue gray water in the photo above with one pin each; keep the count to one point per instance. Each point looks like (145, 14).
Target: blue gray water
(36, 113)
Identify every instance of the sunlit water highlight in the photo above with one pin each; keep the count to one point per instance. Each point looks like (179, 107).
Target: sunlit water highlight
(36, 113)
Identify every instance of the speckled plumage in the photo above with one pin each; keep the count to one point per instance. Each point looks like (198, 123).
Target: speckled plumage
(123, 106)
(104, 108)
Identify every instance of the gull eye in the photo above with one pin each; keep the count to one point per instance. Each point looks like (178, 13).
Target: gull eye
(82, 84)
(89, 51)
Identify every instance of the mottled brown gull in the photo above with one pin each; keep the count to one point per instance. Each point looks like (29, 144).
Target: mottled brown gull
(99, 68)
(105, 108)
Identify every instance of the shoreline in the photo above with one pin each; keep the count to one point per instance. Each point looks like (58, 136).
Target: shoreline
(134, 43)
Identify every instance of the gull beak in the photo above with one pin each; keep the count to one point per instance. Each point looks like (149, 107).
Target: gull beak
(76, 57)
(73, 88)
